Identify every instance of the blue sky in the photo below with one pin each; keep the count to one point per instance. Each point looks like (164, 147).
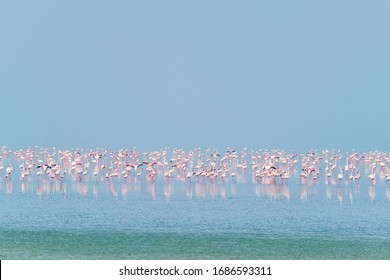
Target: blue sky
(185, 74)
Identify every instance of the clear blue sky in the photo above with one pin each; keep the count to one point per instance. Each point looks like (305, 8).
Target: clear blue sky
(150, 74)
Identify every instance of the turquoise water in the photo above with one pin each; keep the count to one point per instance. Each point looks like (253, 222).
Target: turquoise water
(189, 220)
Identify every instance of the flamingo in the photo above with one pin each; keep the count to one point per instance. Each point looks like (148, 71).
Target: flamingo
(372, 175)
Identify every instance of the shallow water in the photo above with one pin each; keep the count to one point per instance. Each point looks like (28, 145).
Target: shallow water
(190, 220)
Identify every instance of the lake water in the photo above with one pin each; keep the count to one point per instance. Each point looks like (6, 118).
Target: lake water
(42, 219)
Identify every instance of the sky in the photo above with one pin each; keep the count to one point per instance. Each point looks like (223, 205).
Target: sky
(271, 74)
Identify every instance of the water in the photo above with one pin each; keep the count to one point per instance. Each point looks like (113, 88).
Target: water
(190, 220)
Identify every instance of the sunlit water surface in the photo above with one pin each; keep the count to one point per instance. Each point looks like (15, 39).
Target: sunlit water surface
(190, 220)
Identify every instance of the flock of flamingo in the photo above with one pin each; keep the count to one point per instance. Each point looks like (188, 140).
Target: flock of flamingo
(264, 167)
